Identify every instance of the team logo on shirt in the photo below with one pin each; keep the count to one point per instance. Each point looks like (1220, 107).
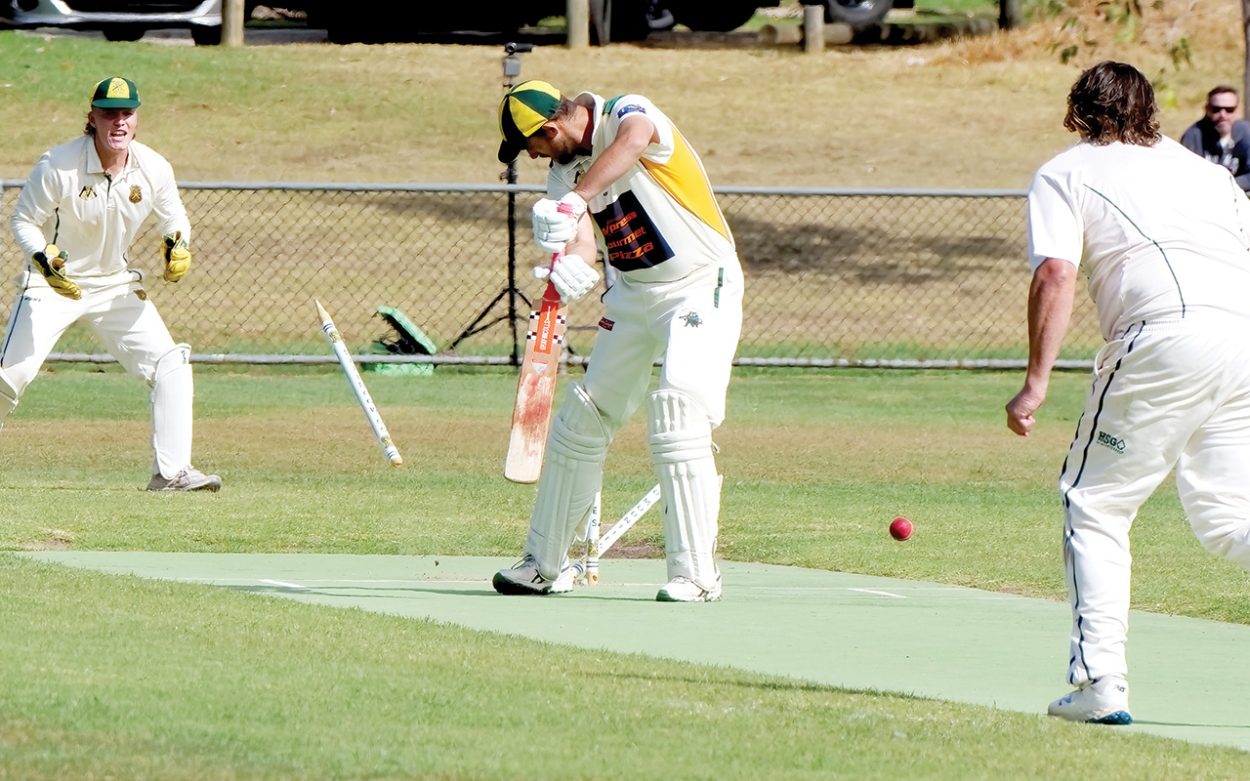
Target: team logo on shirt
(1112, 442)
(86, 193)
(691, 319)
(136, 194)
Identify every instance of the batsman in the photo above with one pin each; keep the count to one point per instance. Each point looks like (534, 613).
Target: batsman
(624, 180)
(75, 220)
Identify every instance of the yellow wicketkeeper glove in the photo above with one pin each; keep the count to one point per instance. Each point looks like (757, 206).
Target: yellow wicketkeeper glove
(177, 257)
(51, 263)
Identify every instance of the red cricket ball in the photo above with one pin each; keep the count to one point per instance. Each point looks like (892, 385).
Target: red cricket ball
(900, 529)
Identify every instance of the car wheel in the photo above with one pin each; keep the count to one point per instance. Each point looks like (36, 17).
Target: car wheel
(203, 35)
(859, 14)
(122, 33)
(712, 17)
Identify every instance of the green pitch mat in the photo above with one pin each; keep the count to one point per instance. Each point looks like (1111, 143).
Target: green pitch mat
(852, 631)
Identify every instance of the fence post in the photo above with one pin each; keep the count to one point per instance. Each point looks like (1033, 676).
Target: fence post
(813, 29)
(577, 14)
(233, 17)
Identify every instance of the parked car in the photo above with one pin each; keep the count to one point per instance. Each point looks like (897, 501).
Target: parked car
(375, 21)
(121, 20)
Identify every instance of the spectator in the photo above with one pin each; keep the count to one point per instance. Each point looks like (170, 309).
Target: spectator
(1220, 138)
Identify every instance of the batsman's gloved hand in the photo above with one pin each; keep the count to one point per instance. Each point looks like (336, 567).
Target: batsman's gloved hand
(177, 257)
(555, 222)
(572, 276)
(51, 263)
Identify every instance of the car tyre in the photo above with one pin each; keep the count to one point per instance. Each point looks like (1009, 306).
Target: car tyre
(859, 14)
(204, 35)
(122, 33)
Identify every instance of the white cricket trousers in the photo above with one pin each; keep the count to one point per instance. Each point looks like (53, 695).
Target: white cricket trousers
(694, 323)
(1165, 395)
(131, 330)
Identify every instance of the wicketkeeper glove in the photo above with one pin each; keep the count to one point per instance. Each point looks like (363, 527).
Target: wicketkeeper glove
(572, 276)
(555, 222)
(51, 263)
(177, 257)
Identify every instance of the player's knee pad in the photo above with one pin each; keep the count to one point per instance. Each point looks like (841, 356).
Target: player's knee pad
(8, 396)
(172, 373)
(678, 428)
(680, 438)
(571, 476)
(578, 431)
(175, 359)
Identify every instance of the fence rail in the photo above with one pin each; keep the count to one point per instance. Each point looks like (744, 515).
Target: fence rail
(835, 277)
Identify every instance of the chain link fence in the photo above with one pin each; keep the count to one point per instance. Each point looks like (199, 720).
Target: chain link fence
(834, 277)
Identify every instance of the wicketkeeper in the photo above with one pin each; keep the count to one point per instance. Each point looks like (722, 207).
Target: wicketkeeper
(75, 219)
(624, 177)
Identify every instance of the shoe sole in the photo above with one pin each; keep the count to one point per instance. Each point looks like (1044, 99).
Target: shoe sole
(513, 589)
(663, 596)
(210, 488)
(1120, 718)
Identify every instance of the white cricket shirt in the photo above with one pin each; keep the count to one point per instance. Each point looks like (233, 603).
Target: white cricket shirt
(69, 201)
(1160, 232)
(660, 221)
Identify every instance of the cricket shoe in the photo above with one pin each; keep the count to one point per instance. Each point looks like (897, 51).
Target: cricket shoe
(523, 578)
(1104, 701)
(683, 589)
(187, 479)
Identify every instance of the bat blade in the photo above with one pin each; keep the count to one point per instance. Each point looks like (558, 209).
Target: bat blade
(536, 387)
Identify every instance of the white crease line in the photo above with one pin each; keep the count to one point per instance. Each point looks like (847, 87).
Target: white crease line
(282, 583)
(878, 593)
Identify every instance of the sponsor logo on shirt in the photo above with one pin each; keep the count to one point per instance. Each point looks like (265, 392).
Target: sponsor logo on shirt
(607, 324)
(1111, 442)
(630, 235)
(632, 108)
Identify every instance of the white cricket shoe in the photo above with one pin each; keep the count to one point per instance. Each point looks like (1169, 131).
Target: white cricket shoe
(523, 578)
(187, 479)
(683, 589)
(1104, 701)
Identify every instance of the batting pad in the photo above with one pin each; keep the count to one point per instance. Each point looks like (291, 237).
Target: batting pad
(172, 394)
(680, 439)
(570, 478)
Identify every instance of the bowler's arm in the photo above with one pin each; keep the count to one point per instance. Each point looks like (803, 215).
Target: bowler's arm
(1050, 310)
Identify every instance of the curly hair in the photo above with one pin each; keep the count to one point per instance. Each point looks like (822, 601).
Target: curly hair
(1113, 101)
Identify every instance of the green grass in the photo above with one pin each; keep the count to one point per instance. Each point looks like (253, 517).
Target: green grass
(122, 677)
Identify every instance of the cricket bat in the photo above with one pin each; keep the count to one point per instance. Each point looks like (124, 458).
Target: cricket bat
(536, 388)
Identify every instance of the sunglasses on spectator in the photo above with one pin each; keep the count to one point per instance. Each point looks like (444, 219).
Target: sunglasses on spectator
(1219, 109)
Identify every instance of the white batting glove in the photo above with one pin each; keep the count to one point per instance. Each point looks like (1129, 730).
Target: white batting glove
(555, 222)
(572, 276)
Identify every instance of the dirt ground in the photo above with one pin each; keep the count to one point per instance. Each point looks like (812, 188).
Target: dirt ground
(980, 112)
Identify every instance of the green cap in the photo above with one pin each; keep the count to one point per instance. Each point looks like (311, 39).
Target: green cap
(525, 108)
(115, 92)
